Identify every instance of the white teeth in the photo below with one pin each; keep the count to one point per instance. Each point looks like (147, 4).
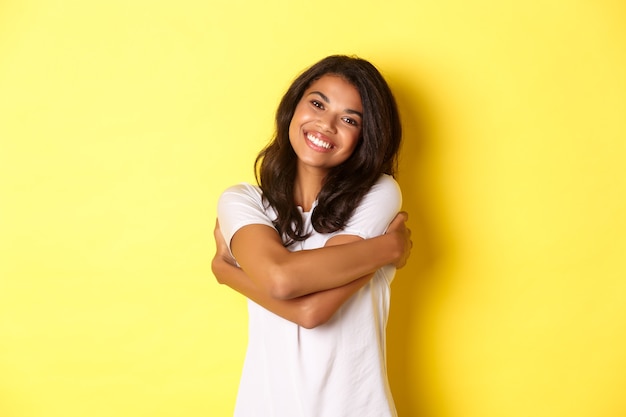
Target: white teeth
(318, 142)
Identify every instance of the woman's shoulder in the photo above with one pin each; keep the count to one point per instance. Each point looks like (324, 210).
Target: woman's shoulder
(240, 205)
(242, 196)
(386, 187)
(243, 189)
(388, 180)
(376, 210)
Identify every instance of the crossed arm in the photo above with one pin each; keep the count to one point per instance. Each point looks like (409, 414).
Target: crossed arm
(306, 287)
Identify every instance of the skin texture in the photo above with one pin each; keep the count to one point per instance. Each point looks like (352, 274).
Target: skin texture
(307, 311)
(313, 309)
(307, 287)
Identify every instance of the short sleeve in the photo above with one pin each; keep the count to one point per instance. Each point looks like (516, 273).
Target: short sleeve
(239, 206)
(377, 209)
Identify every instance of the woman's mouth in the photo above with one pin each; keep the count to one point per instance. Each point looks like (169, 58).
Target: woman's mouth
(318, 142)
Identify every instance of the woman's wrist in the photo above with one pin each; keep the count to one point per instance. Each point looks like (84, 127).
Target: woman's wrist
(391, 248)
(395, 247)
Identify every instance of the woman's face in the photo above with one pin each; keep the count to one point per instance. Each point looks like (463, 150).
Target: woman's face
(326, 125)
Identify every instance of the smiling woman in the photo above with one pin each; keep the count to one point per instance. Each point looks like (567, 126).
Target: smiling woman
(325, 128)
(326, 212)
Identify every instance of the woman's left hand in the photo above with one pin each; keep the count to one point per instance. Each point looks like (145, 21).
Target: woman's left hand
(222, 252)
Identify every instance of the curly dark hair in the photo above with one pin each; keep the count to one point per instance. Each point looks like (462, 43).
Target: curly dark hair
(345, 185)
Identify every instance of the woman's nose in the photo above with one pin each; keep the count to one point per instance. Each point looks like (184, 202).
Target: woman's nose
(326, 122)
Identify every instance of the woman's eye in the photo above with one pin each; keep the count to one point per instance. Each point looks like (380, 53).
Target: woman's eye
(350, 121)
(317, 104)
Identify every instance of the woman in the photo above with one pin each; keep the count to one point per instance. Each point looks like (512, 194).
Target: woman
(316, 247)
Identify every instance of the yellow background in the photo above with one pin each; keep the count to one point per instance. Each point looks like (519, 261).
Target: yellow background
(122, 121)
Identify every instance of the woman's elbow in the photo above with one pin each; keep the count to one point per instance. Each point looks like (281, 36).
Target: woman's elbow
(311, 323)
(280, 285)
(280, 291)
(312, 317)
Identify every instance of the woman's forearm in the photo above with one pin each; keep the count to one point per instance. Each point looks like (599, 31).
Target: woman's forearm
(333, 266)
(287, 275)
(307, 311)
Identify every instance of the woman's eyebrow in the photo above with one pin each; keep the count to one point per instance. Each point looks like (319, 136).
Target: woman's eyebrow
(323, 96)
(358, 113)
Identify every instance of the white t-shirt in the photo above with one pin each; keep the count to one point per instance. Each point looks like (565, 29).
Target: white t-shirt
(337, 369)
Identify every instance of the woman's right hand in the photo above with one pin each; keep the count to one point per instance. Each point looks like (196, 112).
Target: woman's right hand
(402, 236)
(222, 258)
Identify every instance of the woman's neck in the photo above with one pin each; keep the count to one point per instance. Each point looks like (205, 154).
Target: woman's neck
(306, 188)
